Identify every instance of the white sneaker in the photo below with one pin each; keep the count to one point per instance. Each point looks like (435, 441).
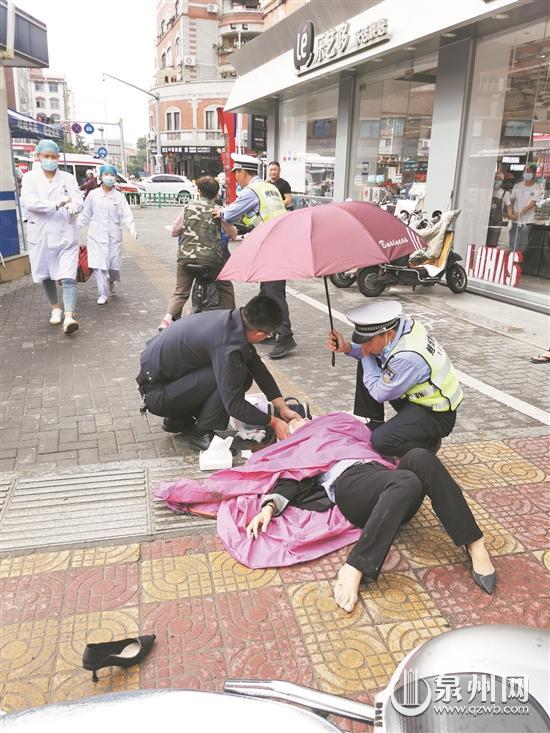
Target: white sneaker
(69, 325)
(112, 284)
(56, 317)
(101, 300)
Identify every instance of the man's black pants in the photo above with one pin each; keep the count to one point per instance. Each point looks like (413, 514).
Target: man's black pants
(413, 426)
(277, 290)
(380, 500)
(194, 394)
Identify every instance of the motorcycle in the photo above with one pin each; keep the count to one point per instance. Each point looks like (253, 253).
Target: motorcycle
(427, 267)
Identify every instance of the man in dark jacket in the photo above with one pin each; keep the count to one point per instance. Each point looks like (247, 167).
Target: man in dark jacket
(195, 374)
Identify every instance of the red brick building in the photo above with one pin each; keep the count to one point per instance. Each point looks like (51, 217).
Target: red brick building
(194, 43)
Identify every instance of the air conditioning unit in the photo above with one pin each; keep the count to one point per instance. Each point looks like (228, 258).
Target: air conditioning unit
(189, 60)
(211, 8)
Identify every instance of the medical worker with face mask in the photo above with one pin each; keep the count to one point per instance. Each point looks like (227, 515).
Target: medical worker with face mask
(105, 211)
(52, 200)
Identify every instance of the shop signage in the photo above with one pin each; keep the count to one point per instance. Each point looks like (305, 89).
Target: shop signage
(494, 265)
(257, 133)
(311, 52)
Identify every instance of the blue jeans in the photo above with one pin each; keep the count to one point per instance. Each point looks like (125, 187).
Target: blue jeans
(69, 292)
(519, 237)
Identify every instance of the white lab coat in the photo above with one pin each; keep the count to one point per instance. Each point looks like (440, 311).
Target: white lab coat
(52, 234)
(105, 213)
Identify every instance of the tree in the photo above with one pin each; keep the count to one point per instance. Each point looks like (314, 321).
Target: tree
(138, 162)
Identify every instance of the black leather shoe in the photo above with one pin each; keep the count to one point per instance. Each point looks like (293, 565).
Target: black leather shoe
(201, 441)
(124, 653)
(186, 425)
(282, 348)
(487, 583)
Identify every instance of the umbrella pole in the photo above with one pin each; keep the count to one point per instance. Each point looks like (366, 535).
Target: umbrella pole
(329, 315)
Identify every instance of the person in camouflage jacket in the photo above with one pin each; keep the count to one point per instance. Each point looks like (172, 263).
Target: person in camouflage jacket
(199, 242)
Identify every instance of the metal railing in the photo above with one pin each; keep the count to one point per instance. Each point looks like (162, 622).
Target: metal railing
(162, 199)
(301, 201)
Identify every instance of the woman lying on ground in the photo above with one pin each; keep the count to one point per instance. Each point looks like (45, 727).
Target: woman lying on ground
(379, 500)
(351, 493)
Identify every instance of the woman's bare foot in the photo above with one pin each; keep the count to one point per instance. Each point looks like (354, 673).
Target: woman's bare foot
(346, 590)
(480, 558)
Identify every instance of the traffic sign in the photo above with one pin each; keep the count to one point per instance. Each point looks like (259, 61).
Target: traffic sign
(66, 126)
(89, 128)
(76, 128)
(102, 152)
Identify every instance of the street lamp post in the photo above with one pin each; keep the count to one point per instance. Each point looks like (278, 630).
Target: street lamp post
(158, 158)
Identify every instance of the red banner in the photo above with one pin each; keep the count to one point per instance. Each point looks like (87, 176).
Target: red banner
(227, 123)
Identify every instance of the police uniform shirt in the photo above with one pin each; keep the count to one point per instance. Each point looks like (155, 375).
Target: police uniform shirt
(246, 203)
(215, 339)
(386, 383)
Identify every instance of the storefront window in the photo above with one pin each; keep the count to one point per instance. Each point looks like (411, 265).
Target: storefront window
(308, 142)
(504, 229)
(392, 133)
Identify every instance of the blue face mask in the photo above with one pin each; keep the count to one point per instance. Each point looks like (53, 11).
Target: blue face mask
(528, 176)
(109, 181)
(48, 164)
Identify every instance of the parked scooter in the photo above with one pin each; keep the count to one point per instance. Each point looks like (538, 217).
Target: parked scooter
(437, 264)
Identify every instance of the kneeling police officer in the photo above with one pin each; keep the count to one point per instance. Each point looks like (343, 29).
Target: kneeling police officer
(399, 361)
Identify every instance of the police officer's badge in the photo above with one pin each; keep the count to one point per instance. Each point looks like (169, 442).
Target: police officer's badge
(388, 375)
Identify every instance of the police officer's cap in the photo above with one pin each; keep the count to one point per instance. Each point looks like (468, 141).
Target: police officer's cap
(373, 319)
(244, 162)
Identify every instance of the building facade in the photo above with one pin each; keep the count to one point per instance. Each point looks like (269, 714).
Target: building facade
(50, 96)
(193, 49)
(448, 103)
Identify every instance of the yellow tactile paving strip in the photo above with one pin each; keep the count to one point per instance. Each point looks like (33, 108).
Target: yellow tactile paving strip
(215, 618)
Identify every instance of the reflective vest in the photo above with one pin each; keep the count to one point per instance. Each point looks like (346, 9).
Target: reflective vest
(441, 392)
(271, 203)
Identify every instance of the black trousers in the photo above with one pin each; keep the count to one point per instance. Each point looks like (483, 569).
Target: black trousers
(194, 394)
(277, 290)
(413, 426)
(380, 500)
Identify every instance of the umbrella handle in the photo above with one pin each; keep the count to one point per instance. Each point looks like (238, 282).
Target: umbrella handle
(333, 356)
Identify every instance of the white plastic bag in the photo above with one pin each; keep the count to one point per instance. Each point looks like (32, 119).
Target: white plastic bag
(217, 456)
(259, 400)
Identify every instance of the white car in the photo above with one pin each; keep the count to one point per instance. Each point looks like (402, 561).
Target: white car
(170, 183)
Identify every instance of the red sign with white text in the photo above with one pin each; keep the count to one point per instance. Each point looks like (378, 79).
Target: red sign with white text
(494, 265)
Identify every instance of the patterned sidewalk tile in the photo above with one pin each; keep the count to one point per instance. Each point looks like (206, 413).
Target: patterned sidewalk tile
(534, 449)
(520, 579)
(32, 597)
(46, 562)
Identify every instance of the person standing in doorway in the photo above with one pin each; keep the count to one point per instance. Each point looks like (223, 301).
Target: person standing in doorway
(52, 201)
(257, 202)
(521, 208)
(105, 211)
(274, 177)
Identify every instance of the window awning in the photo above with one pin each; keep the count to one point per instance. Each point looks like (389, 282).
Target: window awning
(24, 126)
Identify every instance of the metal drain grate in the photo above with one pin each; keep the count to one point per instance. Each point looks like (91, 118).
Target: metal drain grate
(85, 507)
(5, 485)
(165, 520)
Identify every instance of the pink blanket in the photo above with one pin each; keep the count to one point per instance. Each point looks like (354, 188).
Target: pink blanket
(234, 494)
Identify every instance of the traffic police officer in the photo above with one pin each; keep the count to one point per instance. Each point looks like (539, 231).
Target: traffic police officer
(261, 201)
(399, 361)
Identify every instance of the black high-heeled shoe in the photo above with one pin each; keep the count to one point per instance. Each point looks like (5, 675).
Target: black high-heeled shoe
(124, 653)
(487, 583)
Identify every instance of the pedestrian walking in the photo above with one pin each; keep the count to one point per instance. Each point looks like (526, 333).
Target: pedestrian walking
(90, 183)
(200, 243)
(105, 211)
(521, 208)
(399, 361)
(261, 201)
(52, 201)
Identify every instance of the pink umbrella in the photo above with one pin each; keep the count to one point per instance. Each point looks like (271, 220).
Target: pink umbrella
(320, 241)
